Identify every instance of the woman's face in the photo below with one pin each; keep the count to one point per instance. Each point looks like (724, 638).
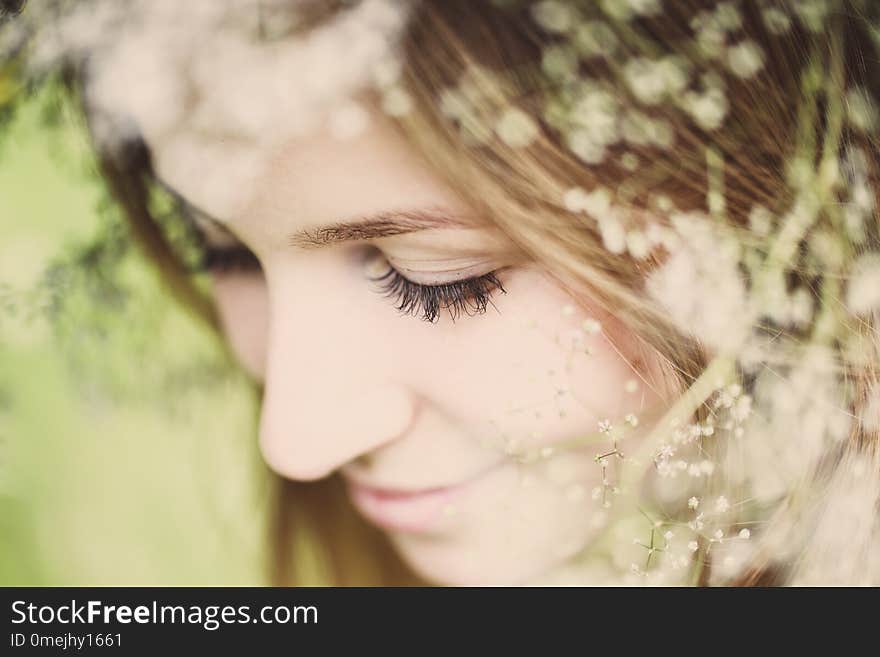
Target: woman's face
(447, 432)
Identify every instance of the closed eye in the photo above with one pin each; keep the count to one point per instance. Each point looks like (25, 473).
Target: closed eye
(471, 296)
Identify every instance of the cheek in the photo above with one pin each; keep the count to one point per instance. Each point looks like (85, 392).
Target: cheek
(541, 370)
(243, 305)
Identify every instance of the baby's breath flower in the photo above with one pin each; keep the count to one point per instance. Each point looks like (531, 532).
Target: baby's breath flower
(591, 326)
(745, 59)
(595, 39)
(745, 534)
(516, 128)
(722, 505)
(776, 20)
(575, 199)
(697, 523)
(605, 426)
(708, 109)
(644, 80)
(559, 63)
(812, 13)
(646, 7)
(396, 102)
(631, 419)
(553, 16)
(693, 546)
(621, 10)
(629, 161)
(637, 244)
(863, 293)
(693, 502)
(585, 147)
(760, 220)
(861, 110)
(613, 234)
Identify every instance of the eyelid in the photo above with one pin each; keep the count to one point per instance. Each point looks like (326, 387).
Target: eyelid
(471, 295)
(438, 272)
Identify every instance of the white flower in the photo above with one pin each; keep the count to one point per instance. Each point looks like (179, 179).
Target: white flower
(618, 9)
(861, 110)
(591, 326)
(745, 59)
(760, 220)
(575, 199)
(693, 502)
(863, 292)
(595, 38)
(701, 285)
(718, 535)
(646, 7)
(722, 505)
(708, 109)
(585, 147)
(745, 534)
(629, 161)
(645, 80)
(553, 16)
(812, 13)
(631, 420)
(613, 234)
(727, 16)
(396, 102)
(637, 244)
(605, 426)
(776, 20)
(516, 128)
(742, 408)
(560, 63)
(693, 546)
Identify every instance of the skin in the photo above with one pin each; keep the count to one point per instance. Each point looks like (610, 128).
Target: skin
(394, 402)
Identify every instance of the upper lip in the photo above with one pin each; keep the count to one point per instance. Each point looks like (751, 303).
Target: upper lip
(394, 491)
(399, 491)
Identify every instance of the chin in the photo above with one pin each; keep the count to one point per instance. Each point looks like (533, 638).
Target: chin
(445, 562)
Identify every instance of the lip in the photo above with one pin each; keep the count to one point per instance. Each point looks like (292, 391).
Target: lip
(407, 510)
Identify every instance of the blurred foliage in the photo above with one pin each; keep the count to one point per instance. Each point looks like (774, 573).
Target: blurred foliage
(127, 438)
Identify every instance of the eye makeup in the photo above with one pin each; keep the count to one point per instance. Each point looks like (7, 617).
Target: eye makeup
(469, 296)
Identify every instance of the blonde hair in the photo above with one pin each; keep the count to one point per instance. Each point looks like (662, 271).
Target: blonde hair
(824, 528)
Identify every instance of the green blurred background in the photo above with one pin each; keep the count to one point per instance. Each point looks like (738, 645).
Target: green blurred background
(127, 441)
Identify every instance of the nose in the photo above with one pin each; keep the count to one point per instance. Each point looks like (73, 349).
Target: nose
(330, 395)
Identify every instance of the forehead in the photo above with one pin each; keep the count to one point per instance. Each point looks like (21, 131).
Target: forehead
(307, 181)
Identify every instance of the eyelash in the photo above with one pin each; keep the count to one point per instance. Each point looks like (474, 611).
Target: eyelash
(471, 296)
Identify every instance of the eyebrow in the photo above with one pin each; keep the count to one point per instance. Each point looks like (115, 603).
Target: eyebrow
(375, 226)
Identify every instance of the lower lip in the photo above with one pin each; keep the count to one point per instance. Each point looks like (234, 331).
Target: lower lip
(407, 512)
